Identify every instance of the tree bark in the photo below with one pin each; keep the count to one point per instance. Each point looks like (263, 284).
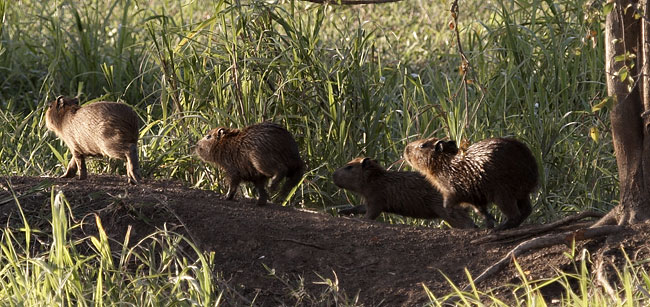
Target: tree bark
(629, 125)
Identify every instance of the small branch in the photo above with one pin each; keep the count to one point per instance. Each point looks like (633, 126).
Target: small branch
(351, 2)
(301, 243)
(465, 68)
(546, 241)
(536, 230)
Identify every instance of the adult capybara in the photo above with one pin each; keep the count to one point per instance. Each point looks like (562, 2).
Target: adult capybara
(97, 129)
(498, 170)
(403, 193)
(255, 154)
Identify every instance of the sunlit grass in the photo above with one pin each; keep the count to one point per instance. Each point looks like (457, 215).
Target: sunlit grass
(347, 81)
(580, 288)
(51, 267)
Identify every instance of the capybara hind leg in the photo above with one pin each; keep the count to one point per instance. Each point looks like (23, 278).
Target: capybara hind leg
(372, 212)
(277, 178)
(81, 164)
(458, 218)
(261, 191)
(525, 208)
(132, 165)
(233, 184)
(71, 171)
(509, 208)
(483, 212)
(290, 183)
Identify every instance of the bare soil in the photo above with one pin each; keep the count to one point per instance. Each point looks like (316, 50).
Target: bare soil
(386, 265)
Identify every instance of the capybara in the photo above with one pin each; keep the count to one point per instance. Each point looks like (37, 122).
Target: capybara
(499, 170)
(255, 154)
(98, 129)
(403, 193)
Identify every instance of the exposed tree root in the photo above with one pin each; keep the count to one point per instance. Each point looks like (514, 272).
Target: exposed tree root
(546, 241)
(516, 233)
(610, 218)
(601, 276)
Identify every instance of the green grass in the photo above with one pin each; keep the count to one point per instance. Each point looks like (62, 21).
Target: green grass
(580, 289)
(347, 81)
(73, 271)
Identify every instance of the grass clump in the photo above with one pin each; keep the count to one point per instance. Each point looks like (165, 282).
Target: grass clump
(580, 288)
(51, 267)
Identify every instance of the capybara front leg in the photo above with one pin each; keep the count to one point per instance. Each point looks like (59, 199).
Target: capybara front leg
(81, 164)
(261, 190)
(233, 184)
(71, 171)
(132, 165)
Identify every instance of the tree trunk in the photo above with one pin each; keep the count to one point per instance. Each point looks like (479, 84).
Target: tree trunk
(630, 120)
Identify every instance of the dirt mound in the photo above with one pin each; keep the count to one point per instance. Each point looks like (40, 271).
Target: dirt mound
(385, 264)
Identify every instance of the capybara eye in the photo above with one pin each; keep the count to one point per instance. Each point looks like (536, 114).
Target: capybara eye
(209, 136)
(422, 145)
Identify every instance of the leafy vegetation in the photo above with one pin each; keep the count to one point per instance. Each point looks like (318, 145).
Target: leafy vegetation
(347, 81)
(152, 272)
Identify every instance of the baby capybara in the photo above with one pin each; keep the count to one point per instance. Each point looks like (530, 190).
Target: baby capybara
(98, 129)
(403, 193)
(255, 153)
(498, 170)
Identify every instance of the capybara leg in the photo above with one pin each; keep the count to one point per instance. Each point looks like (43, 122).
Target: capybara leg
(277, 178)
(448, 203)
(458, 218)
(509, 208)
(360, 209)
(525, 208)
(81, 164)
(71, 171)
(261, 191)
(292, 181)
(132, 165)
(372, 213)
(482, 211)
(233, 184)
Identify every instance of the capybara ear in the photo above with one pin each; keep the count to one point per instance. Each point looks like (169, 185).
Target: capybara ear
(438, 145)
(221, 132)
(450, 147)
(446, 146)
(74, 100)
(366, 162)
(60, 101)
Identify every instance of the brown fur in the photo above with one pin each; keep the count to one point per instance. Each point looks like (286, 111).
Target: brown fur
(255, 154)
(403, 193)
(499, 170)
(97, 129)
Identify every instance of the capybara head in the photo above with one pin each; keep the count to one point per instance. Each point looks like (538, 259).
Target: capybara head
(357, 173)
(430, 154)
(208, 148)
(57, 110)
